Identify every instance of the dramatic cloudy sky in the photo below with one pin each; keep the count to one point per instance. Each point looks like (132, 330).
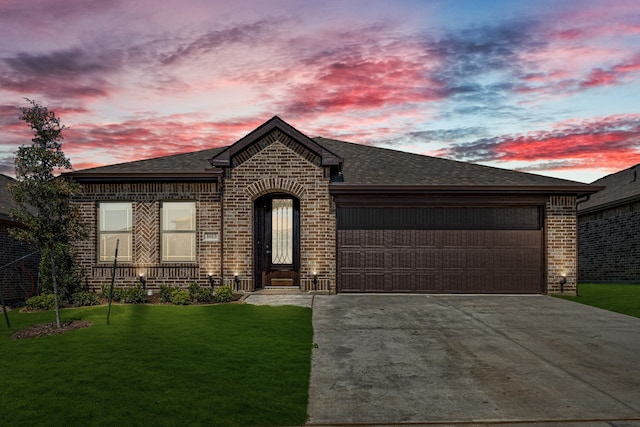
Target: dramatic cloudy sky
(550, 87)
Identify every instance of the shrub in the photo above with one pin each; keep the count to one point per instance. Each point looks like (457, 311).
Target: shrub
(193, 290)
(117, 293)
(134, 295)
(85, 298)
(223, 294)
(165, 293)
(196, 293)
(41, 302)
(180, 297)
(204, 295)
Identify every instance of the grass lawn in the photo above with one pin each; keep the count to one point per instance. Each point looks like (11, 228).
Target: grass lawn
(621, 298)
(157, 365)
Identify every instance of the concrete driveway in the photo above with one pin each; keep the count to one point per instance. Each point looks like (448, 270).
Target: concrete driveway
(395, 359)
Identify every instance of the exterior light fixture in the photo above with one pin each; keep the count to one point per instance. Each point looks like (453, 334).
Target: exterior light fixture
(315, 281)
(212, 281)
(563, 281)
(143, 280)
(236, 280)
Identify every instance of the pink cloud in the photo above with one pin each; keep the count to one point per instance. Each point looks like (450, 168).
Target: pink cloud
(136, 139)
(607, 142)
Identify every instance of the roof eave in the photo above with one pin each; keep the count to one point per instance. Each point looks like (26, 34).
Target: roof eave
(372, 189)
(128, 177)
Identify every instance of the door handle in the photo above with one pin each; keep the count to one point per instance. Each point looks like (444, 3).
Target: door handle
(268, 252)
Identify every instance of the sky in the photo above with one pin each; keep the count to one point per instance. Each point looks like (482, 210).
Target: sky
(547, 87)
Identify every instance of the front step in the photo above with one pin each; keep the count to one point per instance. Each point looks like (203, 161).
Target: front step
(279, 290)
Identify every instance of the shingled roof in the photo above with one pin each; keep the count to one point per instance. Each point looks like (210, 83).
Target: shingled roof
(620, 188)
(361, 165)
(381, 166)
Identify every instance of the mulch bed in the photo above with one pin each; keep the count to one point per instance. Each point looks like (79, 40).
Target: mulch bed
(42, 329)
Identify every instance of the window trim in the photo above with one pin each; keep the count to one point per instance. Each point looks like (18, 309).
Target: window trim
(100, 232)
(193, 232)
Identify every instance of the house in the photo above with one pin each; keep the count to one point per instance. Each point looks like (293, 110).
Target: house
(280, 209)
(18, 261)
(609, 230)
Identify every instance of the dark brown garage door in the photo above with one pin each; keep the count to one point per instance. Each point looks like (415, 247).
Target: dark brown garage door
(500, 251)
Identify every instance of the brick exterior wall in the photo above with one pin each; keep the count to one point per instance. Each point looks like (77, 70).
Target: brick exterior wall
(609, 245)
(18, 280)
(146, 199)
(276, 168)
(274, 164)
(560, 226)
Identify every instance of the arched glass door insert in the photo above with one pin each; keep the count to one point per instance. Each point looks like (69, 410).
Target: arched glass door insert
(276, 240)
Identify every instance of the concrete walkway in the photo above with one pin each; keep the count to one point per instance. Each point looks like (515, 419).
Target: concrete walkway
(301, 300)
(472, 360)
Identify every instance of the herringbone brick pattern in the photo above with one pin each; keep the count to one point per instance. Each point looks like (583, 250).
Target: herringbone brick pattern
(146, 235)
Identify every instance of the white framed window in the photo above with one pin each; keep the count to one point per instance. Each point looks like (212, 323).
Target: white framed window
(114, 224)
(178, 231)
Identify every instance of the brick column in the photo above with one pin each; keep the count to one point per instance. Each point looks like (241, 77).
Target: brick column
(561, 239)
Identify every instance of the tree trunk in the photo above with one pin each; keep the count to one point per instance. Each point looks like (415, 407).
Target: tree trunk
(55, 288)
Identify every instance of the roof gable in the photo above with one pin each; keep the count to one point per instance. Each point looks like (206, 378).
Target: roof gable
(273, 130)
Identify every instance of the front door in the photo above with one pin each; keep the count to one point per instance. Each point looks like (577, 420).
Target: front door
(276, 240)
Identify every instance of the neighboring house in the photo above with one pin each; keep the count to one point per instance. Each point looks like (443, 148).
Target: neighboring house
(609, 230)
(280, 209)
(18, 270)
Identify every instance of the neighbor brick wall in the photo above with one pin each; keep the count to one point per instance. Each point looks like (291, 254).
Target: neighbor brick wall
(561, 239)
(278, 168)
(609, 245)
(146, 199)
(18, 280)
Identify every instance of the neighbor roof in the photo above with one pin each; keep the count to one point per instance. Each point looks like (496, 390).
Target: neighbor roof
(620, 188)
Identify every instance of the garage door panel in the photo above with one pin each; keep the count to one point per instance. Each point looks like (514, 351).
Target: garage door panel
(401, 282)
(403, 259)
(373, 238)
(447, 261)
(350, 282)
(431, 259)
(479, 259)
(427, 281)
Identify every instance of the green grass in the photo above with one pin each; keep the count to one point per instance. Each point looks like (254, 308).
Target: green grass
(621, 298)
(222, 365)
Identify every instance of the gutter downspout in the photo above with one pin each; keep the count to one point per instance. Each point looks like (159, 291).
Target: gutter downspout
(586, 199)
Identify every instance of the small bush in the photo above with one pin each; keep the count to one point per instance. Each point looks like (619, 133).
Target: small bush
(85, 298)
(134, 295)
(204, 295)
(193, 290)
(180, 297)
(223, 294)
(117, 293)
(198, 294)
(41, 302)
(165, 293)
